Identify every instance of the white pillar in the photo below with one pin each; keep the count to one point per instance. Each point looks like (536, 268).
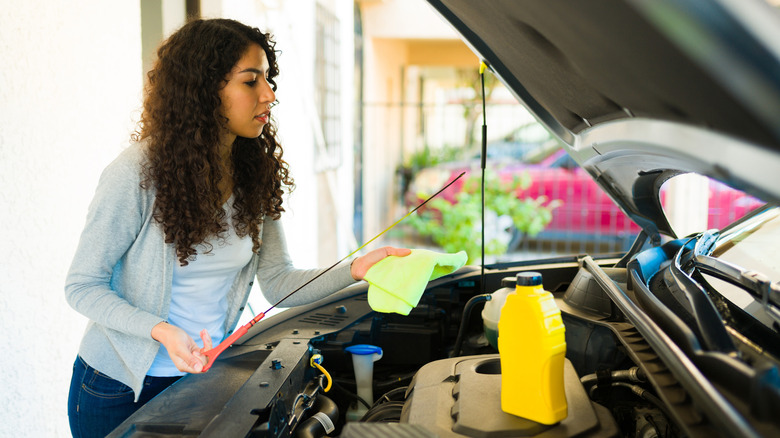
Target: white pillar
(687, 201)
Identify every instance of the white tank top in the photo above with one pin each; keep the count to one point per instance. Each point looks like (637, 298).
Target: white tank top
(199, 292)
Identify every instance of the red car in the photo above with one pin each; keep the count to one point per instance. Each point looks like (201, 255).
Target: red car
(585, 214)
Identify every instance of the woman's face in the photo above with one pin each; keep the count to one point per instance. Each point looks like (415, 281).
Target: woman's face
(247, 96)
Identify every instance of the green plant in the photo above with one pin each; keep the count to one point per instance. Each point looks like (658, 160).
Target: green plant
(427, 156)
(420, 159)
(455, 226)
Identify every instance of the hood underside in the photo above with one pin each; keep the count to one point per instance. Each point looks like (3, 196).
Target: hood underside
(642, 91)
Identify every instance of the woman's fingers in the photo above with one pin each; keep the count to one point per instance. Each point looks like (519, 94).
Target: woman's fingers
(362, 264)
(207, 344)
(185, 354)
(398, 252)
(195, 364)
(198, 353)
(186, 359)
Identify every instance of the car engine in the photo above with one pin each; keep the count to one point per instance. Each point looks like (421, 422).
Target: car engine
(439, 375)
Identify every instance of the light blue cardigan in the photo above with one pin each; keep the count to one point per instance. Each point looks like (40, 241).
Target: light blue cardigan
(121, 275)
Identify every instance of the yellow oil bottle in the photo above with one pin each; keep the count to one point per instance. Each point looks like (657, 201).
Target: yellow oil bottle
(532, 348)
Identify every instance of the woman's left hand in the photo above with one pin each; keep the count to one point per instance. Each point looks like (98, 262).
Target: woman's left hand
(362, 264)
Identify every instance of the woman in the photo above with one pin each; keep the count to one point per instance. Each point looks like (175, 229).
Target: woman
(181, 224)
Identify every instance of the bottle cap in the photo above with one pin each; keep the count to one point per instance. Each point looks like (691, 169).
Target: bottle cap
(529, 279)
(363, 349)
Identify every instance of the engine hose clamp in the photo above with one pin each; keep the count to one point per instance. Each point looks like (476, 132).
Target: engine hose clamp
(325, 421)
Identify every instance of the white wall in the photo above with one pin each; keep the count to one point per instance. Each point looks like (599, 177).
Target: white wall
(69, 89)
(406, 19)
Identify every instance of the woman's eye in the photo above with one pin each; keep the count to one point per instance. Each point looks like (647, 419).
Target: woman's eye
(251, 83)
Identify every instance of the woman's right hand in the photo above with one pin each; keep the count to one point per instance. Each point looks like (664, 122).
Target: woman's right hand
(186, 355)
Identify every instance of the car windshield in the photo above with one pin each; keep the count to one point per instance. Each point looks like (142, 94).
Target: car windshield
(753, 245)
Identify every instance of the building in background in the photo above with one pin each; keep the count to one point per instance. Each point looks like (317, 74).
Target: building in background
(402, 41)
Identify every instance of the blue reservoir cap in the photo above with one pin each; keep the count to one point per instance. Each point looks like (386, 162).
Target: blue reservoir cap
(363, 349)
(529, 279)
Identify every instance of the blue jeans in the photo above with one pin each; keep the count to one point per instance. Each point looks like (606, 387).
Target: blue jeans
(97, 404)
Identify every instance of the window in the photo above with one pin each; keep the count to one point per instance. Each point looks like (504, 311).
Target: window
(327, 88)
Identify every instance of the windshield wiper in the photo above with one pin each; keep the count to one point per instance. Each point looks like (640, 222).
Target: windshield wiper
(701, 314)
(755, 283)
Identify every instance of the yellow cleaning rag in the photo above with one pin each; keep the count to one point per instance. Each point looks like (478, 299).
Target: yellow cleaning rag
(396, 284)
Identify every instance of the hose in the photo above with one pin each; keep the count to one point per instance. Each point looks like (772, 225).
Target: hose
(389, 412)
(633, 374)
(322, 422)
(397, 394)
(315, 362)
(387, 408)
(464, 321)
(641, 393)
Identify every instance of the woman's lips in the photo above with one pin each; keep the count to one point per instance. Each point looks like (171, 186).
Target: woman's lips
(263, 118)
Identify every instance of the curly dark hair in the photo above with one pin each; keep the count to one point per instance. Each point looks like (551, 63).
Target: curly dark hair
(181, 125)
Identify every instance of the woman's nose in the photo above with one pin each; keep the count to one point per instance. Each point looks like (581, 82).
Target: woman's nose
(267, 94)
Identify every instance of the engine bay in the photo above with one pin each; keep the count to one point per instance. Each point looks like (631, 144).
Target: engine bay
(439, 375)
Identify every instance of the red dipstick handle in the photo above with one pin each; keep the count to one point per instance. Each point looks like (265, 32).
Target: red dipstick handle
(212, 354)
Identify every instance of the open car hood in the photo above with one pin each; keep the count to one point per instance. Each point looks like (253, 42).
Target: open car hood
(642, 91)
